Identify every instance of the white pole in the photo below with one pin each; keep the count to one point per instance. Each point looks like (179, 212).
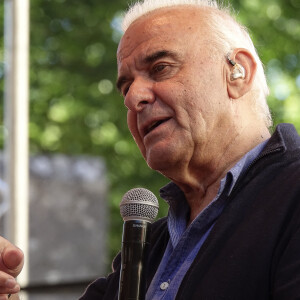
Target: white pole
(16, 42)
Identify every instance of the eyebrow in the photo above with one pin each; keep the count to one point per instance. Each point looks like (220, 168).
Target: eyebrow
(147, 60)
(159, 54)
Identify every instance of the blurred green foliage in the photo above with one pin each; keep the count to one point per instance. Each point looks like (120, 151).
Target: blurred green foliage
(75, 108)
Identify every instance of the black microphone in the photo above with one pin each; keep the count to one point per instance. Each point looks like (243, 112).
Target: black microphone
(138, 209)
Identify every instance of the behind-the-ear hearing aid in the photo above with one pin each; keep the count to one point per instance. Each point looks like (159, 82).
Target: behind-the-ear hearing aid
(238, 70)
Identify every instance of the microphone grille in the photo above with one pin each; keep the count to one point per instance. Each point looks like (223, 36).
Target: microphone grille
(139, 204)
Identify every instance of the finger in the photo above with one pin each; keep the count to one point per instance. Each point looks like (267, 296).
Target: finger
(12, 260)
(8, 284)
(6, 297)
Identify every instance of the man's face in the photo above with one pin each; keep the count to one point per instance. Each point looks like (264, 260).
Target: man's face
(172, 79)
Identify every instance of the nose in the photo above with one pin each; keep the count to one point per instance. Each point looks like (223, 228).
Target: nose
(139, 95)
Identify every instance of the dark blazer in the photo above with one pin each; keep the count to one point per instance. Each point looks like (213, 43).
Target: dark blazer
(253, 251)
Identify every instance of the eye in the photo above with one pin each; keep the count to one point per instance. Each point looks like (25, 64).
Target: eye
(125, 90)
(158, 68)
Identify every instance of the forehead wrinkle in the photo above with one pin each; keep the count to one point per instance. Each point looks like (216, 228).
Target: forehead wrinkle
(157, 25)
(153, 28)
(154, 34)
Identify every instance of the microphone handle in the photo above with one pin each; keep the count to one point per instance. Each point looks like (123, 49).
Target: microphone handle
(135, 244)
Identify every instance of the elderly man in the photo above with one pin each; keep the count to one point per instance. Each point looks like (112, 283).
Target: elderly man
(196, 92)
(196, 97)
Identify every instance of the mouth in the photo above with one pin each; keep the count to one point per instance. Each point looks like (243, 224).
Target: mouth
(150, 127)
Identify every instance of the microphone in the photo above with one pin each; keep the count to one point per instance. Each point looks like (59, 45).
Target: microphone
(138, 209)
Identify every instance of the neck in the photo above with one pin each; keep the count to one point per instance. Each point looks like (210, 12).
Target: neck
(200, 179)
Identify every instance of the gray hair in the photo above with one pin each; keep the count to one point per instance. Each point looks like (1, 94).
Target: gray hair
(229, 37)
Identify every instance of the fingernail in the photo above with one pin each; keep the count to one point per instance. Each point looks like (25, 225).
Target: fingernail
(10, 283)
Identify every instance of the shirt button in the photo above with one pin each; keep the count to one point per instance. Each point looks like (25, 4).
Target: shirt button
(164, 286)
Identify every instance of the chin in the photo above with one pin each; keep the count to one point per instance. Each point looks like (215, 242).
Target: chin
(161, 161)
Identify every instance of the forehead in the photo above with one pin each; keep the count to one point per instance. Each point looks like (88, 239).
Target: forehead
(160, 29)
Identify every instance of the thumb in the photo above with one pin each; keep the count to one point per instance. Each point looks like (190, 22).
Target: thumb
(12, 260)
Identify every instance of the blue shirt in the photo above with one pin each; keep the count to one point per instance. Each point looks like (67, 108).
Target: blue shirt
(185, 242)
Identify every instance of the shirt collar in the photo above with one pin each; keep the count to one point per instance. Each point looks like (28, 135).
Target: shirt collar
(174, 196)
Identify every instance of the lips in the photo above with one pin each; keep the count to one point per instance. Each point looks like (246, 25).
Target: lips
(152, 124)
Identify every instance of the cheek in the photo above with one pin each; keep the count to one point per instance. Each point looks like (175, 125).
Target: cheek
(132, 125)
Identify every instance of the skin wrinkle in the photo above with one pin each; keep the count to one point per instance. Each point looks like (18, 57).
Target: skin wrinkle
(235, 35)
(204, 137)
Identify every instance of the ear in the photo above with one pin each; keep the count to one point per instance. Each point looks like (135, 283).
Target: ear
(238, 87)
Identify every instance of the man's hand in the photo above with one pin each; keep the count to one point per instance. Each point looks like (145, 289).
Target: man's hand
(11, 264)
